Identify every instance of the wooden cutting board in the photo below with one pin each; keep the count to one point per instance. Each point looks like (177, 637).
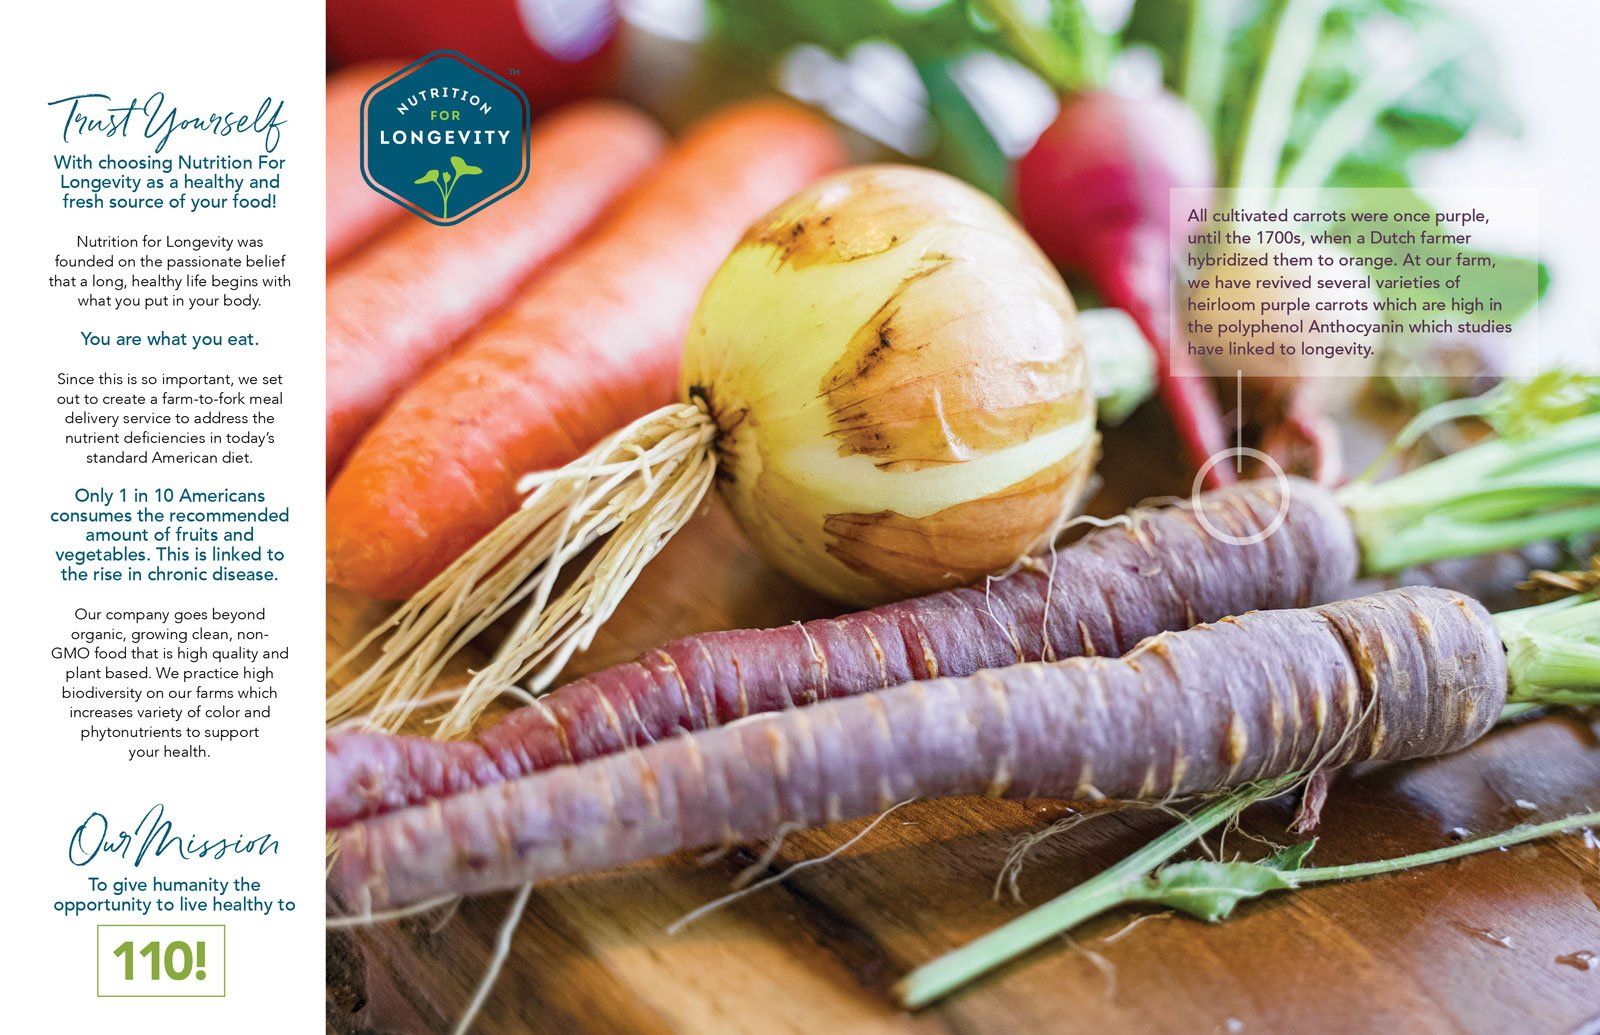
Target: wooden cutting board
(1470, 946)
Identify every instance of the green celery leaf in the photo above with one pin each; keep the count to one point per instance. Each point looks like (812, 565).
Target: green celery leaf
(1458, 91)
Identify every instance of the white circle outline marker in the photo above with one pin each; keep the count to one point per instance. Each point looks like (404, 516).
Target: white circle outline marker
(1251, 454)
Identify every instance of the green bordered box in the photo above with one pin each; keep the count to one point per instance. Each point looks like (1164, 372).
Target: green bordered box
(161, 961)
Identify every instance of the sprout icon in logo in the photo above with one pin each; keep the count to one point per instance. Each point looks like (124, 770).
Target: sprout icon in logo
(446, 182)
(445, 137)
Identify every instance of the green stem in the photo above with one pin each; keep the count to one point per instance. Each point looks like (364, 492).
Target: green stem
(1557, 667)
(1044, 51)
(1110, 888)
(1438, 537)
(1271, 116)
(1517, 711)
(1567, 699)
(1203, 54)
(1126, 883)
(1499, 494)
(1418, 426)
(1553, 652)
(1514, 836)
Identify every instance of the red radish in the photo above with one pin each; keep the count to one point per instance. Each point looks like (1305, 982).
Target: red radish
(555, 50)
(356, 212)
(1093, 193)
(1409, 673)
(1289, 397)
(398, 306)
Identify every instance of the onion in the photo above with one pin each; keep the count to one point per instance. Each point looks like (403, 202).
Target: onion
(898, 384)
(886, 381)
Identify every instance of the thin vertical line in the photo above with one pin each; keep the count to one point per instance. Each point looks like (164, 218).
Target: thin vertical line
(1238, 417)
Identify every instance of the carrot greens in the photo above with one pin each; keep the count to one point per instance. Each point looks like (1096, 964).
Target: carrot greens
(1538, 479)
(1553, 652)
(1110, 888)
(1205, 889)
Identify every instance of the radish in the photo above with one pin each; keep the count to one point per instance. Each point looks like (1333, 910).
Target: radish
(554, 50)
(1162, 569)
(1405, 674)
(1093, 193)
(1243, 311)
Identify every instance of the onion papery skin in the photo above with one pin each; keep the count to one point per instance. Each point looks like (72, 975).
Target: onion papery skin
(899, 384)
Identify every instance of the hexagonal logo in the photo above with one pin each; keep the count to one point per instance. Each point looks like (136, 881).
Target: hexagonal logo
(445, 137)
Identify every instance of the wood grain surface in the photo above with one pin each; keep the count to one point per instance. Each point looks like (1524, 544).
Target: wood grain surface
(1470, 946)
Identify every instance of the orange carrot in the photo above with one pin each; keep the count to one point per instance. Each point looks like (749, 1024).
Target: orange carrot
(593, 344)
(397, 306)
(356, 212)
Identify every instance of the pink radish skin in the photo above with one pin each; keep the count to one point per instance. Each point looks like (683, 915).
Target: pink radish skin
(1093, 193)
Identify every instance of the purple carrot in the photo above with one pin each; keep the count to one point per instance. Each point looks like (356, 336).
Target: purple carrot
(1404, 674)
(1100, 596)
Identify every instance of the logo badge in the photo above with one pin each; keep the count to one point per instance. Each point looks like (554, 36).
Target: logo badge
(445, 137)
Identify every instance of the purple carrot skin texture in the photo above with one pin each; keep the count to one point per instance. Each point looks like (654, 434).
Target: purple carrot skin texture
(1159, 572)
(1404, 674)
(1099, 596)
